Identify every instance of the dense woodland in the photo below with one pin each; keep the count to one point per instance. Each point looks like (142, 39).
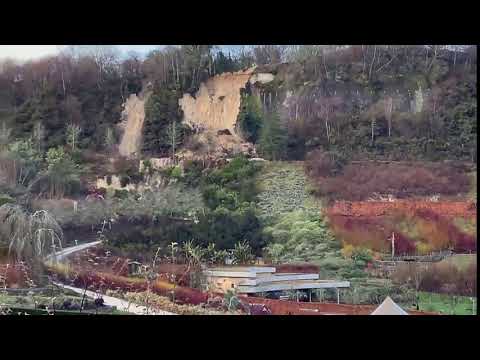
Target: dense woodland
(394, 102)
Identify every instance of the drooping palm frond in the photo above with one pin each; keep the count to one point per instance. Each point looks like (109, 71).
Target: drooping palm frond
(29, 235)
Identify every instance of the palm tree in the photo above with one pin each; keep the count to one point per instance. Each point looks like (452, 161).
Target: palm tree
(242, 253)
(194, 254)
(29, 235)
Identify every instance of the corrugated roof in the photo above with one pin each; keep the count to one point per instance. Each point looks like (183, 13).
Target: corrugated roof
(388, 307)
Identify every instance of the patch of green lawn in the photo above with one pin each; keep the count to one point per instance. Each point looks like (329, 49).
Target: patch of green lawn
(446, 305)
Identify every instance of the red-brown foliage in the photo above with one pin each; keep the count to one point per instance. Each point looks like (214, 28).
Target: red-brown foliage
(371, 224)
(319, 164)
(297, 268)
(381, 208)
(461, 242)
(364, 180)
(103, 281)
(371, 233)
(15, 275)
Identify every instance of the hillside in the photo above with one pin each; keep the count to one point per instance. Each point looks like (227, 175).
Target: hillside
(290, 154)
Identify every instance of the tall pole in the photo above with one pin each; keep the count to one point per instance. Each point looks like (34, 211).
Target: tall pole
(393, 245)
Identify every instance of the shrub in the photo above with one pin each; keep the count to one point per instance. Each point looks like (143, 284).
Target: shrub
(124, 180)
(323, 164)
(299, 236)
(5, 199)
(121, 194)
(176, 172)
(192, 173)
(440, 277)
(61, 177)
(361, 181)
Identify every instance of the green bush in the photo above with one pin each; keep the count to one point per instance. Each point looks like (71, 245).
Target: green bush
(121, 194)
(225, 228)
(231, 185)
(176, 172)
(124, 180)
(6, 199)
(192, 173)
(250, 118)
(299, 235)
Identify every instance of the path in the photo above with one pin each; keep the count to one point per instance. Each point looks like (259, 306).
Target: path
(60, 255)
(120, 304)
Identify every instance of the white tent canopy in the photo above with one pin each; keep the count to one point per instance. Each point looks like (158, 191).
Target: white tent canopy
(388, 307)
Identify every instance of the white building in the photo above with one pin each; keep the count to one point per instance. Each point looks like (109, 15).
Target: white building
(259, 279)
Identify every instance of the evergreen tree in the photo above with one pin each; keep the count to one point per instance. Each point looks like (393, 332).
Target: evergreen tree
(161, 110)
(250, 117)
(273, 138)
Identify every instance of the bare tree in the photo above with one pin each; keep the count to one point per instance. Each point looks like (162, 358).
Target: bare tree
(73, 133)
(39, 135)
(388, 113)
(373, 62)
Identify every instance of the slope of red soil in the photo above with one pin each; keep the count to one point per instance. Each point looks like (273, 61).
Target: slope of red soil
(282, 307)
(379, 208)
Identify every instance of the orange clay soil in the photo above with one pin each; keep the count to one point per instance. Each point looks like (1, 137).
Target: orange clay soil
(379, 208)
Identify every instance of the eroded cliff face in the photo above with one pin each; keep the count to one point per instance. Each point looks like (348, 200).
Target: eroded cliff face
(217, 103)
(212, 112)
(133, 118)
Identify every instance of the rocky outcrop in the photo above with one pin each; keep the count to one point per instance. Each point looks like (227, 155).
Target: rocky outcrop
(133, 118)
(213, 113)
(156, 164)
(113, 182)
(217, 103)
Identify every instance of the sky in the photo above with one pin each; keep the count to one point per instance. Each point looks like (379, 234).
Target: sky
(28, 52)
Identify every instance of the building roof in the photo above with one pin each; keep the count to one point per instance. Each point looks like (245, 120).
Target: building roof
(292, 285)
(388, 307)
(239, 271)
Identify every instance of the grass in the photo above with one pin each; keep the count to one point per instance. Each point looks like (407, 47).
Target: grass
(290, 212)
(284, 188)
(461, 261)
(444, 304)
(468, 226)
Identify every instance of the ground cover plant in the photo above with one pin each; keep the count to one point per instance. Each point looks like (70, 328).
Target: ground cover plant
(362, 181)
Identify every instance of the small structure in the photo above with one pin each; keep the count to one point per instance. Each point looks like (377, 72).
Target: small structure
(389, 307)
(134, 267)
(252, 280)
